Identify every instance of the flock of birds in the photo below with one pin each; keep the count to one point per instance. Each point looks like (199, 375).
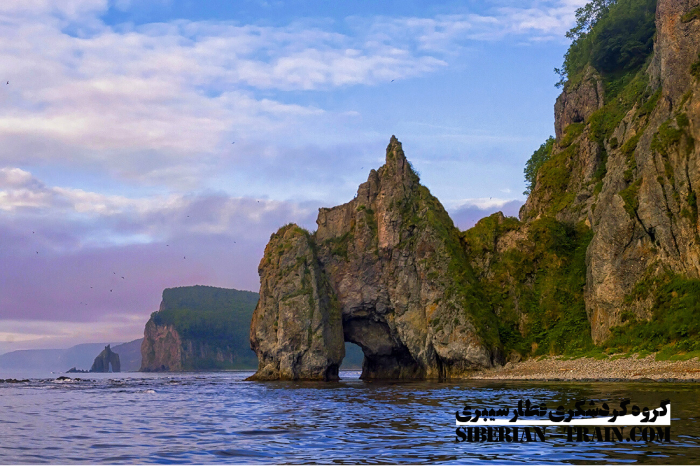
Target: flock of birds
(167, 245)
(111, 290)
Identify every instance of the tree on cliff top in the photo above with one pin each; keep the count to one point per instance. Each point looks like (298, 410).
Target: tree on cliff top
(614, 36)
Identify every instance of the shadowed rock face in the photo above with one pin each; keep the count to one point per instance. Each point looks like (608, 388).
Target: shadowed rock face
(387, 272)
(161, 349)
(103, 361)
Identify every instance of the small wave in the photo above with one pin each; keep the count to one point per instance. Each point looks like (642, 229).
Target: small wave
(150, 390)
(64, 379)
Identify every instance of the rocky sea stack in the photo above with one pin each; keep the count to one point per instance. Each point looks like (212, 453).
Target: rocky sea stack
(605, 257)
(386, 271)
(106, 361)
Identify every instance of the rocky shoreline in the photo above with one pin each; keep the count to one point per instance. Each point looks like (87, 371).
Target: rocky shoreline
(588, 369)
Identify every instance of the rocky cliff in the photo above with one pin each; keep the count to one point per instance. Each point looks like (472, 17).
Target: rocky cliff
(386, 271)
(632, 173)
(620, 185)
(199, 328)
(605, 256)
(106, 361)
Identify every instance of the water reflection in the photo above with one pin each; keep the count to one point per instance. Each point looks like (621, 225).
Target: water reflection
(220, 418)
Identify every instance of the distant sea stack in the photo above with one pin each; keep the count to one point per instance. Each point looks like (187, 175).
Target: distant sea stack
(199, 328)
(106, 361)
(605, 257)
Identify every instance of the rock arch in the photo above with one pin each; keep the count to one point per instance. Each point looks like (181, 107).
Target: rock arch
(386, 271)
(105, 360)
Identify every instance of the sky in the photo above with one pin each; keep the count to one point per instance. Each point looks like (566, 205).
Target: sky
(159, 143)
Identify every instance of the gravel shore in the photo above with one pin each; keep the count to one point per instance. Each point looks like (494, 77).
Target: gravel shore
(587, 369)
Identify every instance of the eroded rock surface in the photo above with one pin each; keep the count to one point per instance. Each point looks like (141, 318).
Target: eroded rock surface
(611, 218)
(296, 329)
(396, 270)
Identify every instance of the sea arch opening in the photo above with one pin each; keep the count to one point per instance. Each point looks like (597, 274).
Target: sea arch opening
(384, 356)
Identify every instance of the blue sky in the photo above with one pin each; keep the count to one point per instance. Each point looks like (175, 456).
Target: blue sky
(165, 140)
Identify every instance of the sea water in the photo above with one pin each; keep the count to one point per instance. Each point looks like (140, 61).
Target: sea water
(221, 418)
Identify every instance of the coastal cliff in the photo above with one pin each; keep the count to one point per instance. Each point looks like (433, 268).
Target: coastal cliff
(199, 328)
(604, 258)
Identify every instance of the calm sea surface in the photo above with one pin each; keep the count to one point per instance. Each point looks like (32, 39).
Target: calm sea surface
(220, 418)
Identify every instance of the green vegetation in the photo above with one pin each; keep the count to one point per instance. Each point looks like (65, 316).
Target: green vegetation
(670, 135)
(695, 69)
(543, 280)
(691, 15)
(631, 197)
(613, 36)
(553, 181)
(622, 94)
(538, 158)
(217, 317)
(422, 212)
(481, 238)
(339, 245)
(674, 328)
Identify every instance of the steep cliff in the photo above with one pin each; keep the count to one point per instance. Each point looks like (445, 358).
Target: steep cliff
(398, 285)
(624, 168)
(199, 328)
(296, 329)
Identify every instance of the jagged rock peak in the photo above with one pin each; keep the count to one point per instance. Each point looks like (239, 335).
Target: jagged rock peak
(396, 164)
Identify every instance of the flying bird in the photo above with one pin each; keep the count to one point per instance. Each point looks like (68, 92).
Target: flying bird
(122, 278)
(8, 82)
(110, 291)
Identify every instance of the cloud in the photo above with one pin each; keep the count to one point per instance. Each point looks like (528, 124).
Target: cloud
(161, 102)
(82, 260)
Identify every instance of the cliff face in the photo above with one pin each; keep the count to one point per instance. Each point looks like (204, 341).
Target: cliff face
(629, 171)
(633, 177)
(107, 360)
(199, 328)
(161, 349)
(398, 281)
(646, 220)
(296, 328)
